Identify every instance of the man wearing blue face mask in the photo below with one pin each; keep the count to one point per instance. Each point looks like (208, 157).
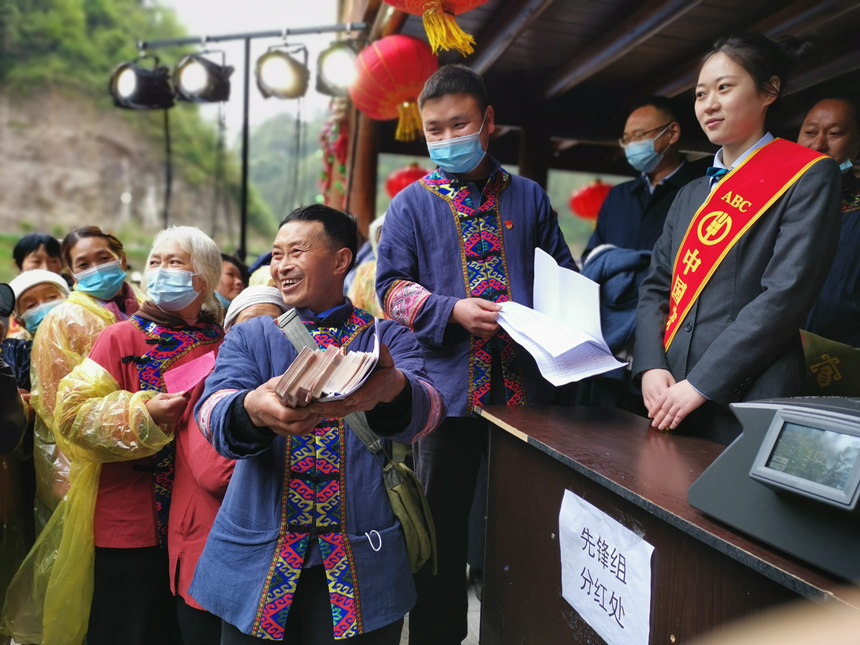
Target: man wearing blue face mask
(457, 243)
(629, 223)
(634, 211)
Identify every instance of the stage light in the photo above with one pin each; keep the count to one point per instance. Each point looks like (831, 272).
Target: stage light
(139, 88)
(336, 68)
(280, 75)
(200, 80)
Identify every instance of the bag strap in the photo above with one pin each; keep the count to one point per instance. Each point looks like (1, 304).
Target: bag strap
(296, 332)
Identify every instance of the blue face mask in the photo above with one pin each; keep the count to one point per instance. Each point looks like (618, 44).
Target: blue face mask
(224, 302)
(170, 289)
(642, 155)
(33, 318)
(103, 281)
(458, 155)
(846, 165)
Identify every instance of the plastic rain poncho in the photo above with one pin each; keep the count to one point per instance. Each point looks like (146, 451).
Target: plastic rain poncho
(63, 340)
(95, 422)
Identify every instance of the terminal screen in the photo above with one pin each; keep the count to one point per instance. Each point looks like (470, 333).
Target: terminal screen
(814, 454)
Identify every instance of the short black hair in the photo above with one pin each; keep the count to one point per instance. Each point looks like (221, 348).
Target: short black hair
(847, 96)
(32, 242)
(339, 226)
(661, 103)
(455, 79)
(236, 262)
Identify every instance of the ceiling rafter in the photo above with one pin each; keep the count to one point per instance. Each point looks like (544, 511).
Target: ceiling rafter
(800, 17)
(636, 29)
(517, 17)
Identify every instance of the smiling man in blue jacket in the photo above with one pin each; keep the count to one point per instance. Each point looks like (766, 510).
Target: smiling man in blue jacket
(305, 548)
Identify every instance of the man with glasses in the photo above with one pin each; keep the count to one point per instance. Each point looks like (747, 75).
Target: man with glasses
(634, 211)
(630, 221)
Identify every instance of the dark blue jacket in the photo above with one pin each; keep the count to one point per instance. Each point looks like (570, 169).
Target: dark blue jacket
(421, 273)
(632, 218)
(836, 313)
(619, 272)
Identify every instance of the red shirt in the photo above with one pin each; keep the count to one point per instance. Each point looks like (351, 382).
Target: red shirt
(125, 515)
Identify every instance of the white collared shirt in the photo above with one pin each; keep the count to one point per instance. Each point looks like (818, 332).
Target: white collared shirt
(718, 158)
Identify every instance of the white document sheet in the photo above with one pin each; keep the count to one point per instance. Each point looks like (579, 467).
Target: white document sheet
(562, 332)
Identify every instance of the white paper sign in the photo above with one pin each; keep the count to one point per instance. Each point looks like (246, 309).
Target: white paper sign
(605, 572)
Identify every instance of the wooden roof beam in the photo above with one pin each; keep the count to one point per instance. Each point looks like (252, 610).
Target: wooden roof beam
(388, 21)
(833, 69)
(799, 17)
(504, 31)
(629, 33)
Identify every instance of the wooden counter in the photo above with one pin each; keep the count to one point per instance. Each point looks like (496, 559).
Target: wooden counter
(703, 573)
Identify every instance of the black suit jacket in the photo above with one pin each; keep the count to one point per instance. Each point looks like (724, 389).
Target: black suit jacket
(740, 340)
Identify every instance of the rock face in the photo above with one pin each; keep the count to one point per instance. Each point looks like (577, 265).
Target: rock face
(66, 163)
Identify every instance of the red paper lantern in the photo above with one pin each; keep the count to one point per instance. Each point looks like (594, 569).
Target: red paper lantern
(586, 201)
(399, 179)
(439, 23)
(391, 74)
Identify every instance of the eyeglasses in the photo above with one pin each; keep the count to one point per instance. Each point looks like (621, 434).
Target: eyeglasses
(638, 136)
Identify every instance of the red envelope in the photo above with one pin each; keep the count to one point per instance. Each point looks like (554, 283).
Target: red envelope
(187, 375)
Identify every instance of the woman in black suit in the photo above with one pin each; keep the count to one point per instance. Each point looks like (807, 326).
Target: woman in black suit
(713, 331)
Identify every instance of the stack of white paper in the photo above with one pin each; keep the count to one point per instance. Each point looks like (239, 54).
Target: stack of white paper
(562, 332)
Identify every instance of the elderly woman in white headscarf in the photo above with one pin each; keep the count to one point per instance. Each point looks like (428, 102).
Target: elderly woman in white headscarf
(253, 301)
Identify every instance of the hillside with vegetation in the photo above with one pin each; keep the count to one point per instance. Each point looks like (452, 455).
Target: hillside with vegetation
(71, 158)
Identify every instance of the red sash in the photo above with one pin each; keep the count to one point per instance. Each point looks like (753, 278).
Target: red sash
(737, 202)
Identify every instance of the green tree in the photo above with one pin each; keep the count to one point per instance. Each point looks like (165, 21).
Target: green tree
(285, 161)
(73, 45)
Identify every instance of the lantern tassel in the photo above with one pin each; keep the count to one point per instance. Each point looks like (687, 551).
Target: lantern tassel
(443, 32)
(408, 122)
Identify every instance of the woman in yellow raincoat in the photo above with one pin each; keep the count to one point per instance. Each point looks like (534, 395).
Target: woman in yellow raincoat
(116, 416)
(100, 298)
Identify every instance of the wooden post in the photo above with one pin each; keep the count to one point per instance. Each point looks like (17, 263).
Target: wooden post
(535, 151)
(362, 169)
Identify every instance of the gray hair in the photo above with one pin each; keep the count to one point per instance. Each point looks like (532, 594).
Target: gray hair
(205, 259)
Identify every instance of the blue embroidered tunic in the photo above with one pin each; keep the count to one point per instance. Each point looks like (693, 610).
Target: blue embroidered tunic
(301, 501)
(446, 239)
